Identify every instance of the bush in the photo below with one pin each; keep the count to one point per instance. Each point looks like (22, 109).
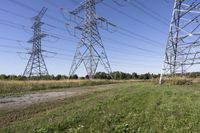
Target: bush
(74, 77)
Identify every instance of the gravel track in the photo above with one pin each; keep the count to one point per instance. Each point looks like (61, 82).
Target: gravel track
(21, 101)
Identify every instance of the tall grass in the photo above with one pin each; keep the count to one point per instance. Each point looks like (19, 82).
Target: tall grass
(9, 87)
(178, 81)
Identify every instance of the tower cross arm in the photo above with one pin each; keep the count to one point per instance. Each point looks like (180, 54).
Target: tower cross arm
(36, 37)
(41, 13)
(84, 5)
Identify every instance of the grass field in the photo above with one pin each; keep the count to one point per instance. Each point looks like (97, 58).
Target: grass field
(133, 107)
(17, 87)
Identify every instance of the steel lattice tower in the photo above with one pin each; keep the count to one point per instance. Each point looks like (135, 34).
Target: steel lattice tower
(90, 49)
(183, 45)
(36, 65)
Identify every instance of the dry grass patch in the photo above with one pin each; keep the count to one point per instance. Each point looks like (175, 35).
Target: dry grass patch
(16, 87)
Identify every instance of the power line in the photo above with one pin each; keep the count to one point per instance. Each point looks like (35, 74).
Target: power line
(133, 18)
(23, 5)
(10, 52)
(150, 10)
(55, 48)
(131, 46)
(10, 47)
(75, 1)
(34, 10)
(27, 18)
(60, 54)
(64, 59)
(166, 1)
(119, 42)
(24, 27)
(13, 13)
(142, 9)
(8, 39)
(111, 50)
(141, 37)
(46, 46)
(121, 54)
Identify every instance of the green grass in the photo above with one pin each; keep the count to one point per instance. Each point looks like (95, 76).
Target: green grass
(135, 107)
(18, 87)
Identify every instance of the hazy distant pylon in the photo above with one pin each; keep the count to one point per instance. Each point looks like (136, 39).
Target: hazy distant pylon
(36, 65)
(183, 45)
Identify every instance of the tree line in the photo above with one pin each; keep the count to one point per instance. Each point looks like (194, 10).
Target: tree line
(99, 75)
(125, 76)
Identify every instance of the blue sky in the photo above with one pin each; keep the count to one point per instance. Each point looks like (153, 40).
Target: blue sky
(126, 52)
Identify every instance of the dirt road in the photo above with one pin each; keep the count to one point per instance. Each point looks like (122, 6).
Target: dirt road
(20, 101)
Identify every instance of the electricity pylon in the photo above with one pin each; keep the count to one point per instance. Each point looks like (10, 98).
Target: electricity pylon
(36, 65)
(183, 44)
(90, 50)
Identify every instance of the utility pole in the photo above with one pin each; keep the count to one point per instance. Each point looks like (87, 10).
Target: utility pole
(36, 65)
(183, 44)
(90, 50)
